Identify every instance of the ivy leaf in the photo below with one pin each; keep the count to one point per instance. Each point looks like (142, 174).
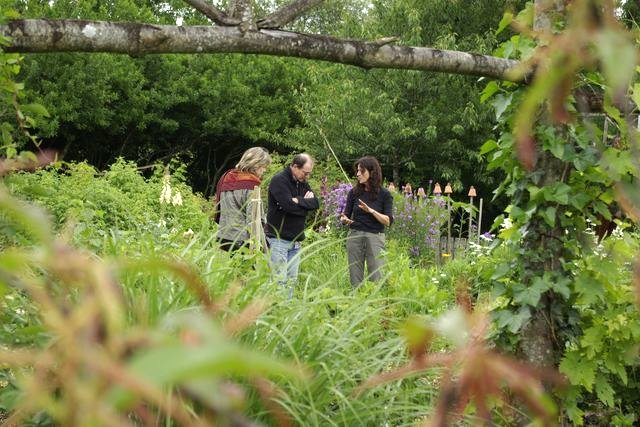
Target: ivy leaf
(557, 147)
(534, 192)
(602, 209)
(530, 294)
(512, 321)
(580, 200)
(558, 193)
(561, 286)
(549, 216)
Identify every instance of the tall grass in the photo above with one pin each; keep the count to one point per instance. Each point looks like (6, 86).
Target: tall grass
(340, 335)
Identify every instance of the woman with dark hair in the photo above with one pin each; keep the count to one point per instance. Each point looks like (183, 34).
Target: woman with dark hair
(368, 210)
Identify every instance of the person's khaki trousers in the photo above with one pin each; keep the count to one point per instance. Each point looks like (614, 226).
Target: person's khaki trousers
(365, 248)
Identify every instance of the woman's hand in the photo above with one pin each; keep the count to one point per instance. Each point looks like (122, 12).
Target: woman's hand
(345, 219)
(362, 205)
(381, 218)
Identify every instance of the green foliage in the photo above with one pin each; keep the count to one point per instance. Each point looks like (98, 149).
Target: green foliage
(17, 119)
(552, 262)
(340, 336)
(94, 207)
(602, 358)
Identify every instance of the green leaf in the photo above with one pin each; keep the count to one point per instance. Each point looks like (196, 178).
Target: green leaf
(501, 270)
(488, 146)
(592, 340)
(575, 414)
(530, 294)
(557, 147)
(614, 365)
(173, 364)
(549, 216)
(558, 193)
(506, 20)
(561, 286)
(500, 103)
(507, 319)
(580, 200)
(636, 94)
(616, 163)
(534, 192)
(619, 58)
(578, 369)
(37, 109)
(489, 90)
(417, 333)
(604, 391)
(589, 289)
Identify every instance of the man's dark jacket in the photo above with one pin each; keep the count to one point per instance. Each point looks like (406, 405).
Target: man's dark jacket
(285, 218)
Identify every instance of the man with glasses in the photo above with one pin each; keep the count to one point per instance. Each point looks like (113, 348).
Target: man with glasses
(290, 199)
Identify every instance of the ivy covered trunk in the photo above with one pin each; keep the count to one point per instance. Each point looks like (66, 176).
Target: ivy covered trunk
(564, 297)
(539, 343)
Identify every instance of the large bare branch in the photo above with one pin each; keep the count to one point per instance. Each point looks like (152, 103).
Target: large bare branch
(213, 13)
(288, 13)
(242, 10)
(43, 35)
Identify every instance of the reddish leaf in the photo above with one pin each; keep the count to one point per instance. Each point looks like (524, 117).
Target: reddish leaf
(526, 150)
(557, 102)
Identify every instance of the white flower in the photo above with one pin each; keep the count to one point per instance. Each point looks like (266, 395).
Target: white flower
(506, 224)
(165, 194)
(617, 233)
(453, 325)
(177, 199)
(162, 223)
(188, 233)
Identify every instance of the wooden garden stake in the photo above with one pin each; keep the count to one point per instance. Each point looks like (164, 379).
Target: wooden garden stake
(479, 219)
(472, 194)
(448, 191)
(437, 191)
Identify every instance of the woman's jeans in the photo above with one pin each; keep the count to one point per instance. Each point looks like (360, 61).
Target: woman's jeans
(364, 247)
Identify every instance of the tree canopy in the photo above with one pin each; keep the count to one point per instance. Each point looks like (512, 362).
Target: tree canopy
(206, 109)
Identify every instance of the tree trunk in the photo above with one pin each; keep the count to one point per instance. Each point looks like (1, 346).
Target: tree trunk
(537, 345)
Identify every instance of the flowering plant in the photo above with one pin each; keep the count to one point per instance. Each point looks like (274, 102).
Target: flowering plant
(418, 222)
(334, 202)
